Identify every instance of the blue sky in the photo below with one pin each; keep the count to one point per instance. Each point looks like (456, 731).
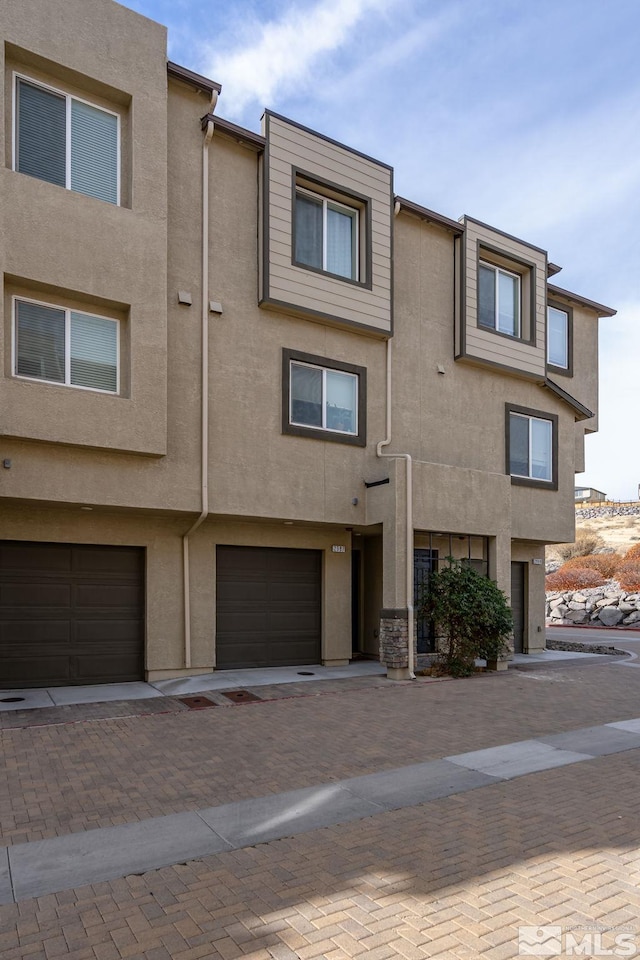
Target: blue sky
(524, 115)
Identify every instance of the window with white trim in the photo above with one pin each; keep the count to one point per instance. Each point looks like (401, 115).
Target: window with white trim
(558, 338)
(59, 345)
(499, 299)
(323, 399)
(531, 447)
(326, 234)
(67, 141)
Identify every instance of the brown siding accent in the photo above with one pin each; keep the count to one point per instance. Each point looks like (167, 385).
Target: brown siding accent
(70, 614)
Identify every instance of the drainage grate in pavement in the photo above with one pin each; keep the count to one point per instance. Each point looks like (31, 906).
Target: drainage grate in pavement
(240, 696)
(12, 699)
(197, 703)
(306, 673)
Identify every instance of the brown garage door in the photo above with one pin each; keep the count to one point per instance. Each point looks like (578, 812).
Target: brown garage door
(70, 614)
(268, 607)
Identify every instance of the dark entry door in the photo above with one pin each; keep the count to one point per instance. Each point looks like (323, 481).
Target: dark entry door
(70, 614)
(518, 603)
(423, 563)
(268, 607)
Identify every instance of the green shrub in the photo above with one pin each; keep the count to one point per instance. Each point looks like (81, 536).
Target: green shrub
(471, 616)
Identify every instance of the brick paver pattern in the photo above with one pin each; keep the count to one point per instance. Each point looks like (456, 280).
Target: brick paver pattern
(449, 879)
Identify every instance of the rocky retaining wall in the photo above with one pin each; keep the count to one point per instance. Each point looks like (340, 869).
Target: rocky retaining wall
(608, 510)
(607, 606)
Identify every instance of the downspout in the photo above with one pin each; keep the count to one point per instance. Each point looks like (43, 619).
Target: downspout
(208, 128)
(409, 515)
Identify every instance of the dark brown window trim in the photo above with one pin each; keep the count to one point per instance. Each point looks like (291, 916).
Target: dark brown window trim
(296, 430)
(359, 202)
(486, 252)
(541, 415)
(552, 367)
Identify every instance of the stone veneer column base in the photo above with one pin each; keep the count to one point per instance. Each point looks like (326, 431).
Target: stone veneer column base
(393, 643)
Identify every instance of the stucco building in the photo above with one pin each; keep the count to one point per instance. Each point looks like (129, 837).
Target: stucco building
(248, 395)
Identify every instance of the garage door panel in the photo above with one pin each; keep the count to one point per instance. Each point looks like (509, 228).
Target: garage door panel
(49, 558)
(34, 632)
(120, 561)
(297, 592)
(245, 591)
(242, 620)
(35, 595)
(108, 631)
(109, 595)
(60, 625)
(268, 606)
(105, 667)
(45, 671)
(295, 621)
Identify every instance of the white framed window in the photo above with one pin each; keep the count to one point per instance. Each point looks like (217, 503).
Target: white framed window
(558, 327)
(65, 140)
(326, 234)
(58, 345)
(531, 447)
(323, 398)
(499, 299)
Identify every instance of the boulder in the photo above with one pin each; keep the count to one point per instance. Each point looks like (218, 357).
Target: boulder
(555, 602)
(579, 598)
(626, 607)
(558, 612)
(633, 617)
(610, 616)
(606, 602)
(576, 616)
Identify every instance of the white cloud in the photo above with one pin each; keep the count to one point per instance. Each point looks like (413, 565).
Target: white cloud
(271, 58)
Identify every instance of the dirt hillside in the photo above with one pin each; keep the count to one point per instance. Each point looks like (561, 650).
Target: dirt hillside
(618, 533)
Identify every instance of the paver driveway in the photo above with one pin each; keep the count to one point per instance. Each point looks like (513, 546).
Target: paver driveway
(450, 878)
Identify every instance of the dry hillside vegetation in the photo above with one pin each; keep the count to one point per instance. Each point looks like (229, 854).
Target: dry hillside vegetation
(596, 535)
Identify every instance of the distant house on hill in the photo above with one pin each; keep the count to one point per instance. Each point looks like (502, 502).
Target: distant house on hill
(589, 495)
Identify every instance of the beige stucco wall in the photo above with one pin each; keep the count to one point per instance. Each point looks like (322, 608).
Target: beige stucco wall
(67, 247)
(136, 457)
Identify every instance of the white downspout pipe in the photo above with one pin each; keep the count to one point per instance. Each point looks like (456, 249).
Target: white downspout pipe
(208, 129)
(409, 513)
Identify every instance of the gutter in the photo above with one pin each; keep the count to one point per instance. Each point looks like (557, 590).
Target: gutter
(208, 130)
(409, 515)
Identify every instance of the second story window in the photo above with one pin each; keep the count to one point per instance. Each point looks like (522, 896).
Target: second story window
(558, 327)
(324, 398)
(532, 447)
(66, 141)
(326, 234)
(499, 299)
(64, 346)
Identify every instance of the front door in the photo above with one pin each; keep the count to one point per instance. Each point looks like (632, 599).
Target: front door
(423, 563)
(518, 604)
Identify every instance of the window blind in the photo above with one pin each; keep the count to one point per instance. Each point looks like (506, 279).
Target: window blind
(41, 134)
(94, 152)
